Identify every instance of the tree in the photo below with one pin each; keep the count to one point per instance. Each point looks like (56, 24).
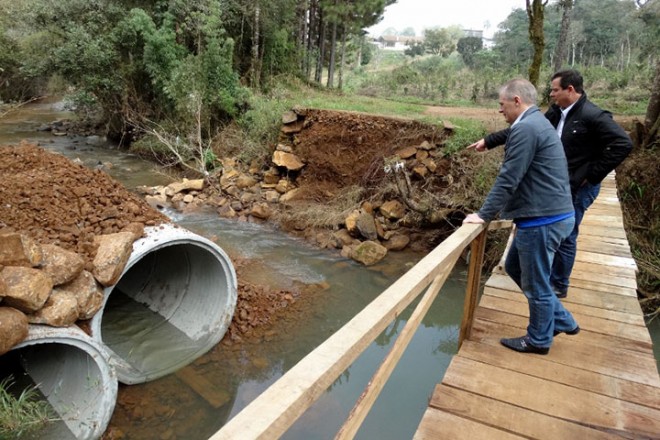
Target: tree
(439, 41)
(562, 45)
(334, 14)
(512, 41)
(604, 23)
(408, 32)
(255, 68)
(414, 49)
(467, 47)
(535, 12)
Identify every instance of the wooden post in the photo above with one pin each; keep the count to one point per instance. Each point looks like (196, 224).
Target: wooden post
(477, 248)
(500, 266)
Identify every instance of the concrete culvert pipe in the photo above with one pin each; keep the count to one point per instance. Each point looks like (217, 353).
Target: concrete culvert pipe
(173, 302)
(73, 373)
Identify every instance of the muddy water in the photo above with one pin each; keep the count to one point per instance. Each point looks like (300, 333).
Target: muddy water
(169, 408)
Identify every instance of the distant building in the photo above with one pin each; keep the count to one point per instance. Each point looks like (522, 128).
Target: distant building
(397, 42)
(402, 42)
(473, 33)
(487, 42)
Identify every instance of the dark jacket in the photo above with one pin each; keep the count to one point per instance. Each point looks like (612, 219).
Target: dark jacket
(533, 180)
(594, 144)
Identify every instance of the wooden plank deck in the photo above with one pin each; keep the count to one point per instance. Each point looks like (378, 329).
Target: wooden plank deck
(600, 384)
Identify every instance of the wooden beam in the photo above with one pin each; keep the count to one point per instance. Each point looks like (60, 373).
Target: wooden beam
(544, 368)
(276, 409)
(521, 421)
(553, 399)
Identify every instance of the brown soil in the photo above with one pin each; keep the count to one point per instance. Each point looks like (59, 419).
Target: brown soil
(342, 149)
(56, 201)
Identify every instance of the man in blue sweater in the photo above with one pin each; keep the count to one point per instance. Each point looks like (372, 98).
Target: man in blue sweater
(533, 189)
(594, 145)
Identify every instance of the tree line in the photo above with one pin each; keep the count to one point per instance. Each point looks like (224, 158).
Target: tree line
(174, 60)
(195, 63)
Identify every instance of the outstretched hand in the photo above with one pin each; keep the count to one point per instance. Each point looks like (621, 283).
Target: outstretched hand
(473, 218)
(480, 145)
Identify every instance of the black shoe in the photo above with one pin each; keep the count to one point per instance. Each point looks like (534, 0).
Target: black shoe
(560, 294)
(575, 331)
(523, 345)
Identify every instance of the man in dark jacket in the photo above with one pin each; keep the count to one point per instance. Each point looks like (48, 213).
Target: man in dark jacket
(532, 188)
(594, 145)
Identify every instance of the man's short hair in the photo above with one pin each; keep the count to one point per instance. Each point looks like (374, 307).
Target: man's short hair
(522, 88)
(570, 77)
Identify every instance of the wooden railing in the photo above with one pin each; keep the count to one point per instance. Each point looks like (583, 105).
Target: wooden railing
(272, 413)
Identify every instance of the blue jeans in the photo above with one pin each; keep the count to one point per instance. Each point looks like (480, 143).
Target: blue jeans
(529, 263)
(562, 266)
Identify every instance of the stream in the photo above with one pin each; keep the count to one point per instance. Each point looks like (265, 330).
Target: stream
(168, 409)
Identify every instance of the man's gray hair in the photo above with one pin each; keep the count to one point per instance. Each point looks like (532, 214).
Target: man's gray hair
(522, 88)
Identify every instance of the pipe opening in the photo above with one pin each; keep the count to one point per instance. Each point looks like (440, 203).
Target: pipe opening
(72, 374)
(173, 303)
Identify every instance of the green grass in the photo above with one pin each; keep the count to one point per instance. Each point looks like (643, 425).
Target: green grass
(365, 104)
(23, 414)
(466, 131)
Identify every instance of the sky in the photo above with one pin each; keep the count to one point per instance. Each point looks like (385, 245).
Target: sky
(468, 14)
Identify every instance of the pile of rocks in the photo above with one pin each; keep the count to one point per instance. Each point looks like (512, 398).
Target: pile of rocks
(250, 193)
(47, 284)
(65, 233)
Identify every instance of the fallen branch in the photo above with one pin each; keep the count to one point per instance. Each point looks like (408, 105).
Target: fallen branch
(13, 107)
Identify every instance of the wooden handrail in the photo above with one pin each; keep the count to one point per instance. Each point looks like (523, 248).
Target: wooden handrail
(377, 382)
(272, 413)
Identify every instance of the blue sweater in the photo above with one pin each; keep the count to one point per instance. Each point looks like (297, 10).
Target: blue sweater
(533, 180)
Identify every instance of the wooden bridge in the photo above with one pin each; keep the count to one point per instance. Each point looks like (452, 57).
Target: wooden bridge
(601, 383)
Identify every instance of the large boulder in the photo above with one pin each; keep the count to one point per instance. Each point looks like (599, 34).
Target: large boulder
(351, 222)
(228, 178)
(245, 181)
(344, 237)
(393, 210)
(366, 225)
(406, 153)
(87, 293)
(397, 242)
(13, 328)
(62, 265)
(19, 250)
(3, 286)
(290, 196)
(187, 185)
(113, 253)
(287, 160)
(368, 253)
(27, 288)
(61, 310)
(261, 211)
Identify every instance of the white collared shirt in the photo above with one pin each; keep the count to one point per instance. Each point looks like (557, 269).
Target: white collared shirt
(564, 112)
